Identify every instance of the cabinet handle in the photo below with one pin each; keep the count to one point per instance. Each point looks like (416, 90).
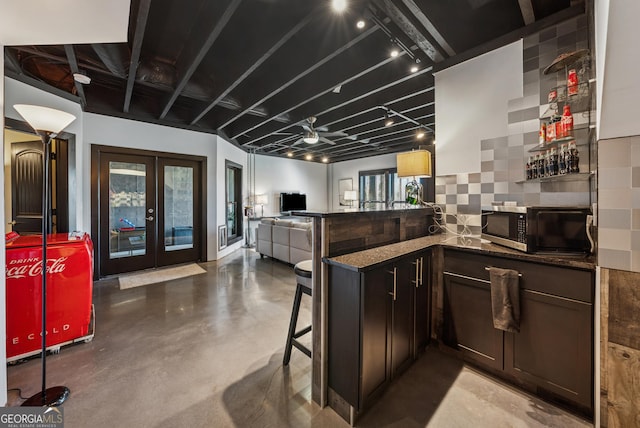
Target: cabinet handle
(394, 281)
(417, 281)
(421, 270)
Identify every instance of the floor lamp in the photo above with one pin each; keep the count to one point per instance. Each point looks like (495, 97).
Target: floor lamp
(47, 123)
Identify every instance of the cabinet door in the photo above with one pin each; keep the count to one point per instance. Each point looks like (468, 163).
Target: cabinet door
(422, 302)
(468, 320)
(402, 290)
(553, 348)
(376, 347)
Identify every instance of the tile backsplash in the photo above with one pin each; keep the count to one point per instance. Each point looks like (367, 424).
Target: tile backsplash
(503, 159)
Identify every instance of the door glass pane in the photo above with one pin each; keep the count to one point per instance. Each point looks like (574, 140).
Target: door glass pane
(127, 209)
(178, 208)
(372, 191)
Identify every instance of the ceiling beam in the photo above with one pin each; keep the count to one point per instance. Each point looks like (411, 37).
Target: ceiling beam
(304, 73)
(407, 27)
(12, 61)
(329, 87)
(526, 8)
(136, 48)
(353, 115)
(352, 100)
(193, 59)
(112, 56)
(255, 66)
(428, 25)
(73, 65)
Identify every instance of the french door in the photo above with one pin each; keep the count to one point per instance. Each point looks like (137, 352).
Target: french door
(149, 211)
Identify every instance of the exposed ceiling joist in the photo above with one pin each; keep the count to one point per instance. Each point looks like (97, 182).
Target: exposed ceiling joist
(191, 60)
(136, 49)
(526, 7)
(73, 65)
(392, 11)
(255, 66)
(322, 92)
(302, 74)
(428, 25)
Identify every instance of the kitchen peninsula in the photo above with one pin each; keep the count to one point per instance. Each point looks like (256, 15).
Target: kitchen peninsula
(385, 303)
(342, 232)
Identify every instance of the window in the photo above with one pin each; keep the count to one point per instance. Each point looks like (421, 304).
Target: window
(233, 201)
(380, 188)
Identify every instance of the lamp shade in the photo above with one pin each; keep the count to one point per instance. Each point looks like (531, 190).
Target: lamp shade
(44, 118)
(414, 163)
(350, 195)
(262, 199)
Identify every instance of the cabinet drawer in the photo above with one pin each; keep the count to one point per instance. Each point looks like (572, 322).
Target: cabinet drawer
(569, 283)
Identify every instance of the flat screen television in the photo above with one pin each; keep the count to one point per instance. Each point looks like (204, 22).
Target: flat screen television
(293, 202)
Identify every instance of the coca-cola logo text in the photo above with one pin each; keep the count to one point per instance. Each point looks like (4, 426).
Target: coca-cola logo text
(33, 267)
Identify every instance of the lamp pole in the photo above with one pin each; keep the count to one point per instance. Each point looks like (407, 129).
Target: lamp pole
(47, 123)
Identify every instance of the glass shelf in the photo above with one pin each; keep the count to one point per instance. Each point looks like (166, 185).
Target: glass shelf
(581, 176)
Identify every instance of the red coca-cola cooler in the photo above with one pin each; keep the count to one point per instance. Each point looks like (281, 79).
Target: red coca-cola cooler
(69, 292)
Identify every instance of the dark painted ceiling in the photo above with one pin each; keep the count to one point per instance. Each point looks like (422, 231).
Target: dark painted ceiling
(253, 71)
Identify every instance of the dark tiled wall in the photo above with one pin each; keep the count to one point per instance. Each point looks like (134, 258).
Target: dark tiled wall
(503, 159)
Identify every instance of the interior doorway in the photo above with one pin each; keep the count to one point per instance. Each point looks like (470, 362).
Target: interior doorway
(148, 209)
(24, 182)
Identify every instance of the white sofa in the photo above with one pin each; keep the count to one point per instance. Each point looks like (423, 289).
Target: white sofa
(286, 240)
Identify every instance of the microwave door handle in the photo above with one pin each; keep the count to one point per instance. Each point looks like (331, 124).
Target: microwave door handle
(589, 224)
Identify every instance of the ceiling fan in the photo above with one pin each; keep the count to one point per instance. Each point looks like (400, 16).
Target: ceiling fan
(313, 135)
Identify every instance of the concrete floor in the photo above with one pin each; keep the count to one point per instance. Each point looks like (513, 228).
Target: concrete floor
(206, 351)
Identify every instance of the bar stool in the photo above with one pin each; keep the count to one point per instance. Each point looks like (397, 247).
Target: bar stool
(304, 285)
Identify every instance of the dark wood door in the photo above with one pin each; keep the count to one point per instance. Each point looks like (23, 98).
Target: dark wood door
(26, 186)
(402, 320)
(127, 213)
(376, 342)
(179, 211)
(553, 348)
(468, 320)
(422, 302)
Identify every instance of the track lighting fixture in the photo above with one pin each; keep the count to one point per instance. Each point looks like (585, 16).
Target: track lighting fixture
(325, 159)
(388, 120)
(360, 24)
(414, 68)
(420, 134)
(289, 154)
(394, 53)
(308, 157)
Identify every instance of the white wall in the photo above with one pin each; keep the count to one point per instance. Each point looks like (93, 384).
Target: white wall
(471, 105)
(350, 169)
(275, 175)
(617, 36)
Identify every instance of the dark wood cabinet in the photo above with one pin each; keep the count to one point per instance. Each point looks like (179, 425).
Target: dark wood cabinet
(422, 302)
(554, 346)
(552, 354)
(468, 321)
(377, 321)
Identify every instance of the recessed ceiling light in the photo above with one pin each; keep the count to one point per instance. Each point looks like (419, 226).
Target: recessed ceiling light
(394, 53)
(414, 69)
(308, 157)
(289, 154)
(81, 78)
(360, 24)
(339, 5)
(325, 159)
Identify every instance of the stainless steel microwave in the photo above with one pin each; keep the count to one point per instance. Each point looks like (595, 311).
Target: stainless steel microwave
(538, 229)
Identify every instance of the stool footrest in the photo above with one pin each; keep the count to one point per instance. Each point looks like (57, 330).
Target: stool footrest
(301, 347)
(302, 332)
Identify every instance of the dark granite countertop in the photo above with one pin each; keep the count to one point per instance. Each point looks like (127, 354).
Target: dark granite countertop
(352, 211)
(371, 258)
